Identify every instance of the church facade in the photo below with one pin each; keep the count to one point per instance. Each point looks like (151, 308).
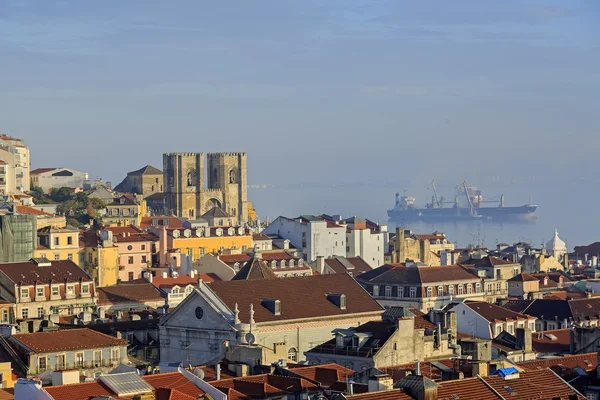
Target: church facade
(194, 184)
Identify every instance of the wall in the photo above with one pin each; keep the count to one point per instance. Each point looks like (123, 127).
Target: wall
(134, 257)
(211, 264)
(471, 323)
(64, 304)
(367, 245)
(48, 180)
(102, 263)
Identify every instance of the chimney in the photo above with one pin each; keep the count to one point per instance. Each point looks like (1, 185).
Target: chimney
(66, 377)
(418, 368)
(321, 265)
(165, 274)
(524, 339)
(218, 371)
(192, 273)
(148, 276)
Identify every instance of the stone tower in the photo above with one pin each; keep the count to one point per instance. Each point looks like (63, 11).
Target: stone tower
(183, 176)
(187, 195)
(227, 172)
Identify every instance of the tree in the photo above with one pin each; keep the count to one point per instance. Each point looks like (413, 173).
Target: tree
(60, 195)
(39, 197)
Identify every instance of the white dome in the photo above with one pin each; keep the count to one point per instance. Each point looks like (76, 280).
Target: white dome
(556, 245)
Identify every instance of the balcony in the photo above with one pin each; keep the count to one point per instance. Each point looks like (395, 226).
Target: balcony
(77, 365)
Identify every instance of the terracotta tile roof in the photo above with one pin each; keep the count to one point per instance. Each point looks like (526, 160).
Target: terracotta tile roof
(254, 269)
(265, 385)
(392, 394)
(147, 170)
(301, 297)
(398, 274)
(342, 265)
(492, 312)
(38, 171)
(182, 280)
(32, 211)
(260, 236)
(7, 394)
(522, 277)
(487, 261)
(233, 258)
(539, 384)
(465, 389)
(430, 237)
(173, 380)
(127, 293)
(171, 394)
(586, 361)
(59, 271)
(68, 339)
(326, 374)
(277, 256)
(545, 342)
(215, 212)
(564, 295)
(80, 391)
(517, 306)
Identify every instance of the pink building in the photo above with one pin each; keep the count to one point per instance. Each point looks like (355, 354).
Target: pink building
(136, 248)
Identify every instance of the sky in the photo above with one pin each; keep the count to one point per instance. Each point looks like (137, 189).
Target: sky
(313, 91)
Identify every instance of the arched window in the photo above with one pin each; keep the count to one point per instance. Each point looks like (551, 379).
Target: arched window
(175, 290)
(236, 266)
(190, 178)
(430, 292)
(451, 290)
(273, 264)
(461, 290)
(232, 176)
(440, 291)
(388, 291)
(469, 288)
(293, 354)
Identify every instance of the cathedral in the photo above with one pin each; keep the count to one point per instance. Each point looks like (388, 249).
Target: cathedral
(193, 187)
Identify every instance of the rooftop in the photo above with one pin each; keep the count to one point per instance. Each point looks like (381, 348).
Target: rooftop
(66, 340)
(254, 269)
(400, 274)
(492, 312)
(342, 265)
(300, 297)
(128, 293)
(28, 272)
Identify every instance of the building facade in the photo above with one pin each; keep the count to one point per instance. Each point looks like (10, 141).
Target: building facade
(261, 321)
(58, 244)
(421, 287)
(125, 210)
(189, 194)
(487, 321)
(17, 237)
(135, 248)
(40, 287)
(17, 165)
(50, 178)
(145, 181)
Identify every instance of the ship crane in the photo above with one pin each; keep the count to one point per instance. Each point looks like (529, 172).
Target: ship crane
(437, 199)
(471, 206)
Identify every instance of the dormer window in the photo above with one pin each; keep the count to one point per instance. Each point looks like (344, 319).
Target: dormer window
(282, 264)
(272, 305)
(355, 342)
(339, 341)
(545, 281)
(338, 299)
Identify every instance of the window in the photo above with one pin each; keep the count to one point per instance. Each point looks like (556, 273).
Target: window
(42, 363)
(79, 360)
(40, 312)
(90, 258)
(478, 288)
(143, 247)
(511, 329)
(375, 290)
(451, 290)
(429, 292)
(70, 256)
(413, 292)
(130, 275)
(69, 240)
(469, 289)
(24, 293)
(55, 291)
(400, 291)
(5, 315)
(498, 330)
(489, 288)
(144, 259)
(202, 251)
(116, 356)
(70, 289)
(388, 291)
(61, 362)
(498, 287)
(440, 291)
(85, 288)
(293, 354)
(515, 271)
(39, 292)
(56, 241)
(97, 357)
(532, 326)
(460, 290)
(189, 252)
(25, 313)
(56, 256)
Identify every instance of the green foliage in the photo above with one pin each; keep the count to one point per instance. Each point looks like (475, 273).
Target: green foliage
(60, 195)
(39, 197)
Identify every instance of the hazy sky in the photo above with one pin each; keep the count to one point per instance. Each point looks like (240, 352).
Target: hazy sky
(311, 90)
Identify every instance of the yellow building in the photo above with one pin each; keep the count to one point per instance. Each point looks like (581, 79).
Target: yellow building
(100, 257)
(198, 242)
(58, 244)
(125, 210)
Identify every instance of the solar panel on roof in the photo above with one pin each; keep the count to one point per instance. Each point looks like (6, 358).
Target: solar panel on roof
(126, 384)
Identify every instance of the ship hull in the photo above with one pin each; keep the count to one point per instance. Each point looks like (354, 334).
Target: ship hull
(461, 214)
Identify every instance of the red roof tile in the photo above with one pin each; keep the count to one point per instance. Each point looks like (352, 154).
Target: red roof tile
(32, 211)
(68, 339)
(59, 271)
(392, 394)
(127, 293)
(492, 312)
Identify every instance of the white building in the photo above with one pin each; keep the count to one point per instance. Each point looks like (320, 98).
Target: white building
(326, 236)
(49, 178)
(486, 321)
(261, 321)
(14, 165)
(556, 247)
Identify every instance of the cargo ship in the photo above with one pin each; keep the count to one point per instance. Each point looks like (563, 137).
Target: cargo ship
(473, 209)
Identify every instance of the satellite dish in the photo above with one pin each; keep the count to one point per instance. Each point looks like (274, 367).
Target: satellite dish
(199, 373)
(250, 338)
